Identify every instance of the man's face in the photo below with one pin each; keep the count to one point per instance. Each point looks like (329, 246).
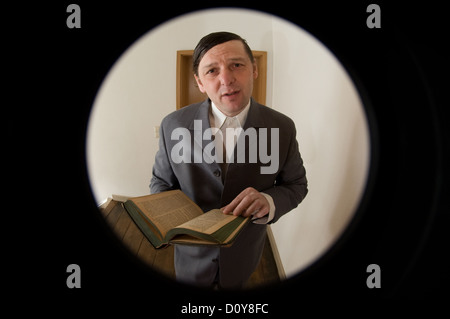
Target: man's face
(226, 75)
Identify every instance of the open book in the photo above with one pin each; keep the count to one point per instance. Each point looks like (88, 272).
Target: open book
(173, 218)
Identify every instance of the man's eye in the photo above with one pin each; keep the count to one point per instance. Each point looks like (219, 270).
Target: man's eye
(237, 65)
(210, 71)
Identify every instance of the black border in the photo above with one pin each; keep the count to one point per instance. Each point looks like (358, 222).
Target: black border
(400, 71)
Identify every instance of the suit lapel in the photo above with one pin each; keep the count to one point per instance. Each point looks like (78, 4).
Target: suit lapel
(254, 118)
(198, 127)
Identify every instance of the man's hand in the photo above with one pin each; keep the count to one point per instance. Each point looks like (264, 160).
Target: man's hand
(248, 202)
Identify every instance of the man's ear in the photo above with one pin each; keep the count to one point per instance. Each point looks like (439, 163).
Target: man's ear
(255, 70)
(200, 84)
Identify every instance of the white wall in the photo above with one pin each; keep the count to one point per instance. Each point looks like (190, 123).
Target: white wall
(304, 81)
(312, 88)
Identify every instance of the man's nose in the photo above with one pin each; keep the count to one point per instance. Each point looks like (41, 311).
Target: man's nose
(226, 77)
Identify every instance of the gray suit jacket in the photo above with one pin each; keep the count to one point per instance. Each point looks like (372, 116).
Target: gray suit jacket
(203, 183)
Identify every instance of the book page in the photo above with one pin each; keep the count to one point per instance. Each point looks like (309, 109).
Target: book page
(209, 222)
(167, 209)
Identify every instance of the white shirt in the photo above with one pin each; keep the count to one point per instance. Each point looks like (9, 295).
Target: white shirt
(217, 119)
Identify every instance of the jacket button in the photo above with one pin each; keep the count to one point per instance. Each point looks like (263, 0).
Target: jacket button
(217, 173)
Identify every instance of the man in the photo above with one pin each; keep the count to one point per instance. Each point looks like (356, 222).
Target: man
(225, 69)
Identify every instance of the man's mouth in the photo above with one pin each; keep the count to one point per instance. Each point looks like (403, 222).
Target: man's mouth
(229, 94)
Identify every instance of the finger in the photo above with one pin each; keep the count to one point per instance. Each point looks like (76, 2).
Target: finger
(229, 208)
(235, 202)
(253, 204)
(249, 208)
(262, 212)
(242, 207)
(258, 208)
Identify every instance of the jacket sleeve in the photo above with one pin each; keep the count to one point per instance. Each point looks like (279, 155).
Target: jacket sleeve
(163, 177)
(291, 185)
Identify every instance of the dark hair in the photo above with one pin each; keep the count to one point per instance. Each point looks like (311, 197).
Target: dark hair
(211, 40)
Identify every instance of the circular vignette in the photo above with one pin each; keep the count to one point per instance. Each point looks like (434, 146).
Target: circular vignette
(304, 81)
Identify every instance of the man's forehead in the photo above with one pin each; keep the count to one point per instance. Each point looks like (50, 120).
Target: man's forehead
(228, 51)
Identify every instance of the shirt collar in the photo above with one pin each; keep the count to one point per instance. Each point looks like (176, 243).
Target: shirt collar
(219, 117)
